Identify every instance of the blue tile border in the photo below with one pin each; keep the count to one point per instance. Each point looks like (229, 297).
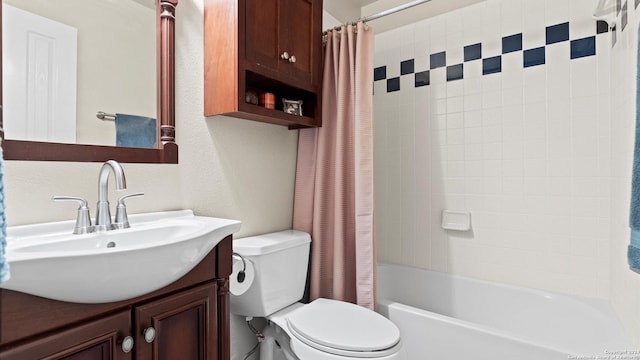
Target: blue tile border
(380, 73)
(455, 72)
(473, 52)
(602, 26)
(554, 34)
(422, 78)
(533, 57)
(492, 65)
(557, 33)
(438, 60)
(512, 43)
(583, 47)
(407, 67)
(393, 84)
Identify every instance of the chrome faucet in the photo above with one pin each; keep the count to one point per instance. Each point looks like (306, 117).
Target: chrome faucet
(103, 215)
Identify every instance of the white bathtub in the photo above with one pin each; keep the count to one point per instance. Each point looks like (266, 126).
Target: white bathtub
(446, 317)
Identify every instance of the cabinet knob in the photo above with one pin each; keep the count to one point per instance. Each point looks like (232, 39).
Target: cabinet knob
(292, 59)
(149, 334)
(285, 56)
(127, 344)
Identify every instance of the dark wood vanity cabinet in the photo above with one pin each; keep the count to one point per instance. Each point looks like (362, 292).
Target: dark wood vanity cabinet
(188, 319)
(257, 46)
(181, 326)
(95, 340)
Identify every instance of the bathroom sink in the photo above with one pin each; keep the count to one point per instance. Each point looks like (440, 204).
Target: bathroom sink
(47, 260)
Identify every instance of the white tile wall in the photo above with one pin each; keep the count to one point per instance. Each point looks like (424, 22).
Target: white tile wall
(526, 150)
(540, 156)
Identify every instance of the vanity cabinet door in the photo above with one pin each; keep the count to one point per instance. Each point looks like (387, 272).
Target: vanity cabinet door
(97, 340)
(184, 326)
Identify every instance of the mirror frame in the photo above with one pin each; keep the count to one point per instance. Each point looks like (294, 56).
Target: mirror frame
(166, 153)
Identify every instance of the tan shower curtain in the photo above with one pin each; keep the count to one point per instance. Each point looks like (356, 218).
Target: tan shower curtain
(334, 176)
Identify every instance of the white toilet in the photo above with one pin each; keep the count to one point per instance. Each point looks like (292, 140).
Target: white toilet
(321, 330)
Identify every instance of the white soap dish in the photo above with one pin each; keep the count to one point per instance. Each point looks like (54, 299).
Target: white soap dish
(456, 220)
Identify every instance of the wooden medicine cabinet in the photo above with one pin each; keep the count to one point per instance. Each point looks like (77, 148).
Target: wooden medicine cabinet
(253, 47)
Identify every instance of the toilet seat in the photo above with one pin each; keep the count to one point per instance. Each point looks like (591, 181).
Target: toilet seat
(343, 329)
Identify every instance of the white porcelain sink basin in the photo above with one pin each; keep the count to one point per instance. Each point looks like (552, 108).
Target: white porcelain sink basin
(159, 248)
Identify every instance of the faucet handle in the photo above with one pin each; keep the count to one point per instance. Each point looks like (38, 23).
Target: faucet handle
(122, 221)
(83, 221)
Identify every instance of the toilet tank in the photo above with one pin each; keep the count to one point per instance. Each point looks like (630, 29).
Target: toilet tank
(280, 261)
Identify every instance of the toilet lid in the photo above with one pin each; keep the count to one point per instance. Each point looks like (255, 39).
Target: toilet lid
(344, 327)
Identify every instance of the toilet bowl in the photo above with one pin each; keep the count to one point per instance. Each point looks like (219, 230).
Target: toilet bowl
(330, 329)
(321, 330)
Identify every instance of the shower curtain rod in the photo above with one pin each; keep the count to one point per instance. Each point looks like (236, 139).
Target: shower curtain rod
(383, 13)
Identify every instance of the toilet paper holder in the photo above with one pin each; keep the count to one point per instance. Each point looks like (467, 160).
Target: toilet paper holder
(242, 273)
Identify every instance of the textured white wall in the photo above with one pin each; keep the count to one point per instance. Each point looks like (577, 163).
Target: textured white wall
(228, 167)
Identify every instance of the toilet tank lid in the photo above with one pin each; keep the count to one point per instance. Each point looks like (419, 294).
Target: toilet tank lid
(271, 242)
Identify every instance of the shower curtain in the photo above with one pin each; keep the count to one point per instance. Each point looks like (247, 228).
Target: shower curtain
(334, 175)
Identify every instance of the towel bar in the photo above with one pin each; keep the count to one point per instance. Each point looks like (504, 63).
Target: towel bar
(105, 116)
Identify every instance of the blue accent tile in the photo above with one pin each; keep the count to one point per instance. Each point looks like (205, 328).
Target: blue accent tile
(533, 57)
(624, 19)
(455, 72)
(602, 26)
(583, 47)
(380, 73)
(511, 43)
(406, 67)
(422, 78)
(473, 52)
(492, 65)
(557, 33)
(438, 59)
(393, 84)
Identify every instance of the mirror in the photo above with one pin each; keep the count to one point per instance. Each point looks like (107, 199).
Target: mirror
(64, 61)
(166, 151)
